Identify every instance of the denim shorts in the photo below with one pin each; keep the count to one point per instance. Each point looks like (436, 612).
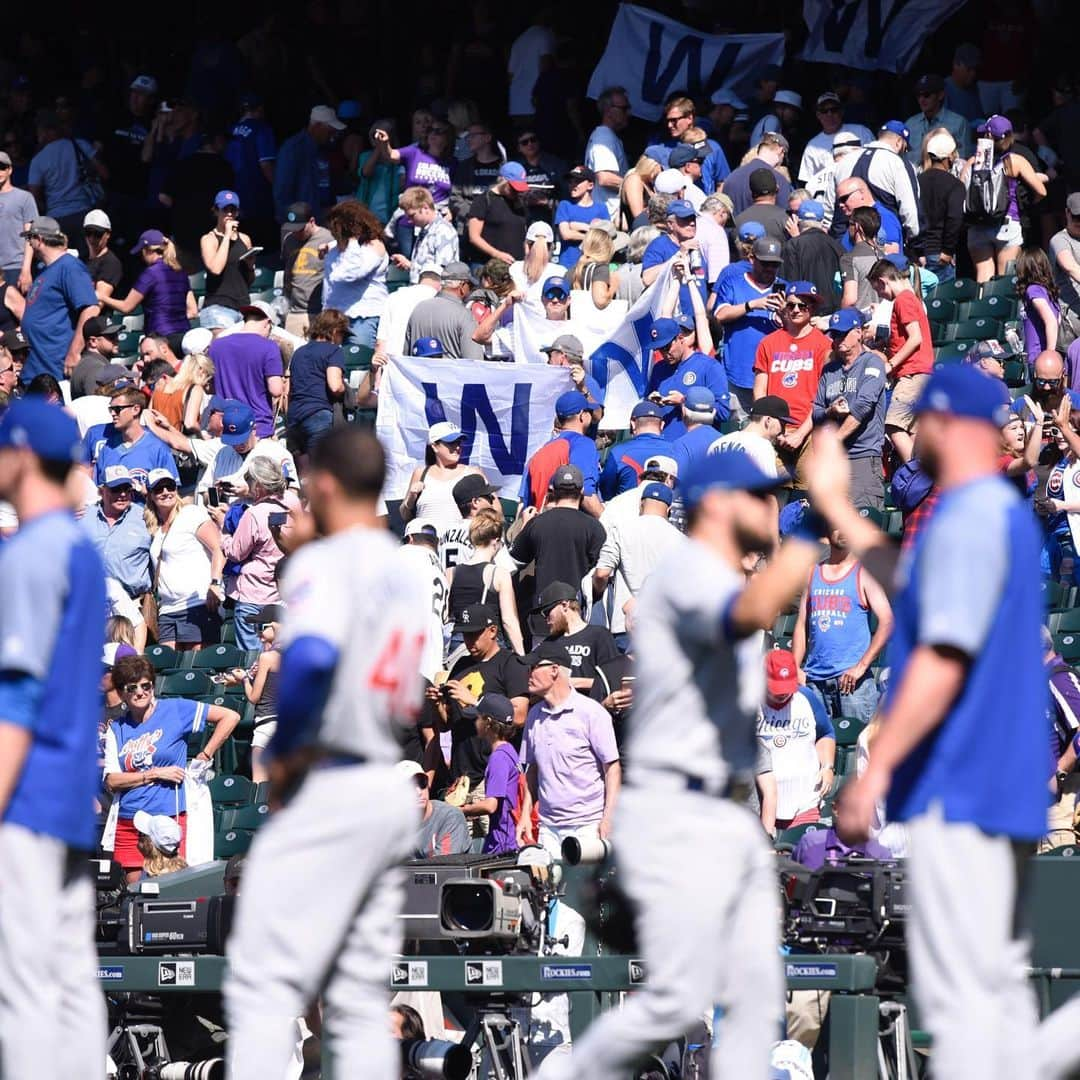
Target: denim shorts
(193, 626)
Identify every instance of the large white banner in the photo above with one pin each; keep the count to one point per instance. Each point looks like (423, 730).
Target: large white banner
(506, 412)
(616, 345)
(651, 55)
(884, 35)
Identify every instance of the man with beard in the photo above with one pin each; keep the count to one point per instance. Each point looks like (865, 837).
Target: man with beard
(698, 645)
(966, 706)
(588, 646)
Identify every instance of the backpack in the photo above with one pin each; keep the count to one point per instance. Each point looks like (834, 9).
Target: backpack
(987, 198)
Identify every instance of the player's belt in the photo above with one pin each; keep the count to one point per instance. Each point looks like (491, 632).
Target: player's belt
(336, 759)
(736, 789)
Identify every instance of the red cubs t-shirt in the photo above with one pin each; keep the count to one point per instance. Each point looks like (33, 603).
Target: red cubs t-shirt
(793, 366)
(908, 308)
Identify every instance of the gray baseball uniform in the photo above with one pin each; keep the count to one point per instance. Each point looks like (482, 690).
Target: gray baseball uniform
(697, 864)
(318, 911)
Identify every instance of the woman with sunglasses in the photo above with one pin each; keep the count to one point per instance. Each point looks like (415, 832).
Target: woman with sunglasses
(146, 754)
(428, 163)
(431, 486)
(162, 288)
(188, 565)
(229, 269)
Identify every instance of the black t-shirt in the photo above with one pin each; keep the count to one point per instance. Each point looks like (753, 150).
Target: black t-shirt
(503, 674)
(814, 256)
(192, 184)
(565, 544)
(589, 648)
(504, 222)
(106, 267)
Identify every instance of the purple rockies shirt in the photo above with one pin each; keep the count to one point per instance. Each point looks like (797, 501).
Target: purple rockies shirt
(501, 782)
(423, 170)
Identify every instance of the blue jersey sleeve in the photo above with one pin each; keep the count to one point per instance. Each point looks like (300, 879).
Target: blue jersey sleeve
(20, 695)
(34, 570)
(725, 289)
(655, 255)
(307, 674)
(78, 286)
(717, 382)
(583, 454)
(265, 145)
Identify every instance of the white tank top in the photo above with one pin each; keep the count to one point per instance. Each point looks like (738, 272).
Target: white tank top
(436, 502)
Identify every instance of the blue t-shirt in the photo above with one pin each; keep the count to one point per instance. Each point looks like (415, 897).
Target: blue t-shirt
(742, 336)
(308, 392)
(970, 582)
(696, 370)
(251, 143)
(160, 740)
(629, 459)
(692, 447)
(55, 168)
(567, 448)
(53, 303)
(569, 211)
(138, 458)
(52, 630)
(891, 231)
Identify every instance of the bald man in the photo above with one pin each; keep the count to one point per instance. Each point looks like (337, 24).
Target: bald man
(852, 193)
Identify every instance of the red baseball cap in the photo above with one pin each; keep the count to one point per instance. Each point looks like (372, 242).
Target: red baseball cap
(781, 673)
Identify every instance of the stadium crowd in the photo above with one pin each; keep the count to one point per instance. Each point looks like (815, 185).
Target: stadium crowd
(208, 303)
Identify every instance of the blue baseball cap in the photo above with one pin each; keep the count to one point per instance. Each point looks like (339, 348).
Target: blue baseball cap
(497, 706)
(899, 260)
(805, 289)
(728, 470)
(428, 346)
(845, 320)
(646, 408)
(700, 399)
(513, 172)
(680, 208)
(896, 127)
(570, 404)
(665, 331)
(655, 490)
(237, 423)
(811, 210)
(226, 198)
(961, 390)
(31, 423)
(749, 231)
(985, 350)
(555, 286)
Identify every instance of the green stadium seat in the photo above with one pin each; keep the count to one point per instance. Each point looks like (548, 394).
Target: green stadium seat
(260, 794)
(228, 633)
(894, 523)
(1000, 286)
(941, 333)
(232, 842)
(940, 310)
(127, 342)
(1063, 622)
(165, 659)
(958, 290)
(134, 322)
(220, 658)
(198, 283)
(1067, 644)
(231, 790)
(794, 835)
(251, 816)
(873, 514)
(186, 684)
(1066, 851)
(1001, 308)
(1015, 373)
(977, 330)
(1054, 595)
(952, 352)
(785, 625)
(264, 279)
(357, 357)
(848, 729)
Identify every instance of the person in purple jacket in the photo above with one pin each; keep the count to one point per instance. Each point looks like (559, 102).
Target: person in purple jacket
(428, 164)
(499, 798)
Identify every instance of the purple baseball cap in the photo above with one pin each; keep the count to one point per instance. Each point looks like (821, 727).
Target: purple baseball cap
(996, 126)
(150, 238)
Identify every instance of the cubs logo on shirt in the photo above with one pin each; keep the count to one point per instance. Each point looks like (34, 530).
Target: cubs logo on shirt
(138, 753)
(689, 378)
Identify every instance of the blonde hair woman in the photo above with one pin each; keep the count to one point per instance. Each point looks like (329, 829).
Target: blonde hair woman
(637, 188)
(180, 399)
(593, 271)
(158, 844)
(530, 273)
(162, 288)
(188, 563)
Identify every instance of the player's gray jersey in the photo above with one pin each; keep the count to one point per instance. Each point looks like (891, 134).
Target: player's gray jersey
(431, 570)
(360, 591)
(697, 693)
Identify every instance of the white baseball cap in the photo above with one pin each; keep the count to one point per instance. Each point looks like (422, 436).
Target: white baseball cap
(662, 464)
(409, 768)
(196, 340)
(941, 145)
(443, 431)
(788, 97)
(164, 833)
(540, 230)
(97, 219)
(670, 182)
(323, 114)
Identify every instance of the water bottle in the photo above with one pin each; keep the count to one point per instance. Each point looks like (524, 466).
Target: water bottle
(695, 261)
(1012, 338)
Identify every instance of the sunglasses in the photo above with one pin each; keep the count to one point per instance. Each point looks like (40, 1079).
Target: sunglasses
(844, 198)
(421, 781)
(122, 491)
(674, 119)
(163, 485)
(528, 140)
(89, 232)
(143, 687)
(1048, 382)
(796, 305)
(116, 410)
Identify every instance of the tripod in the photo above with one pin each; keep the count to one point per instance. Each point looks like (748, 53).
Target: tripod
(497, 1032)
